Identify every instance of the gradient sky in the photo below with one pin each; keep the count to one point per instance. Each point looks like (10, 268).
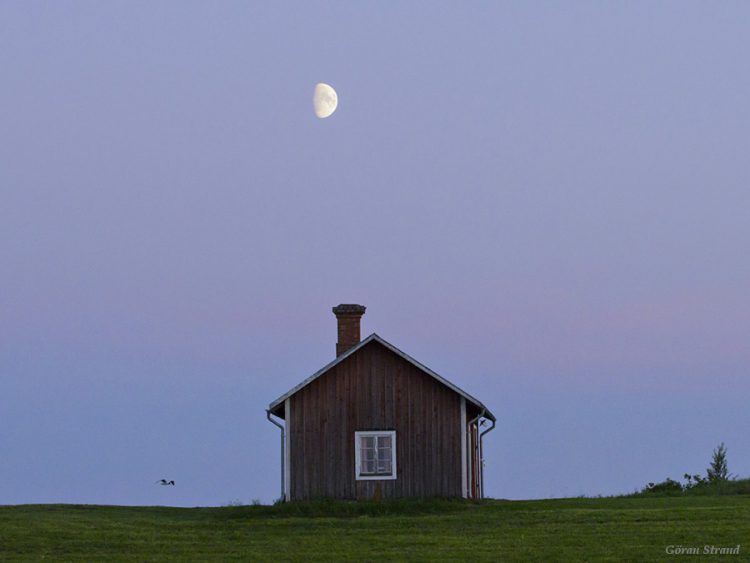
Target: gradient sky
(546, 203)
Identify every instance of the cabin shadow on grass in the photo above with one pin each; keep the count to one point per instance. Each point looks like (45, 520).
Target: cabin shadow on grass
(421, 506)
(333, 508)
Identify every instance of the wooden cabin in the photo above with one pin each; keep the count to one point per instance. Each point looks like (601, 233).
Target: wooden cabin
(376, 423)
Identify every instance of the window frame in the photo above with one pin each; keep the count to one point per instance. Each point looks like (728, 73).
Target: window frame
(358, 435)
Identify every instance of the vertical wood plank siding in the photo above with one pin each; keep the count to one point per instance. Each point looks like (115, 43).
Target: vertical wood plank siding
(374, 389)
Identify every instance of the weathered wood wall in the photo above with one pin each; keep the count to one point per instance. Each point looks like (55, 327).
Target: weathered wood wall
(374, 389)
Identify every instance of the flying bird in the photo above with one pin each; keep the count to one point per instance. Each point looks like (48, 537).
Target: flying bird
(165, 482)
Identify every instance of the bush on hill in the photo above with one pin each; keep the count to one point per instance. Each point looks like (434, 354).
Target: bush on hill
(718, 480)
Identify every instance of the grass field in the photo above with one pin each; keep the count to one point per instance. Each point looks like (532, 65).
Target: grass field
(637, 528)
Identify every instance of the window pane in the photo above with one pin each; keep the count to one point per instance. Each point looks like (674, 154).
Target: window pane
(376, 455)
(384, 455)
(384, 467)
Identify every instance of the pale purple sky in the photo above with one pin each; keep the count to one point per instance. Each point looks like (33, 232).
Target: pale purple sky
(546, 203)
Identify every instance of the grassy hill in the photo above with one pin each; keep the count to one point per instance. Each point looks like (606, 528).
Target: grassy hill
(636, 528)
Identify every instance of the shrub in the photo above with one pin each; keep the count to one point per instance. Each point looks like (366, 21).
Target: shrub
(666, 486)
(692, 481)
(715, 482)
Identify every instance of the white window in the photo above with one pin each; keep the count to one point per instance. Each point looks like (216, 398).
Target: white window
(375, 455)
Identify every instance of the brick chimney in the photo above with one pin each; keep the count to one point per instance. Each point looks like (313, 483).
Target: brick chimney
(348, 316)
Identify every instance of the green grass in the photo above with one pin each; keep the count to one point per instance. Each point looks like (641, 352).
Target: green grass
(580, 529)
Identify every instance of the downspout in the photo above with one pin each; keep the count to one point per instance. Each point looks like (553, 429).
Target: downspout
(481, 455)
(471, 423)
(268, 416)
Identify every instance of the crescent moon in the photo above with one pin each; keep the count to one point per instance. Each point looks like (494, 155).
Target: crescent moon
(325, 100)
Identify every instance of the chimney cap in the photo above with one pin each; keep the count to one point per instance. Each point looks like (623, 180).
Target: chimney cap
(349, 309)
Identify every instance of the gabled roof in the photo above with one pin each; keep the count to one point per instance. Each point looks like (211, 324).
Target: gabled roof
(375, 338)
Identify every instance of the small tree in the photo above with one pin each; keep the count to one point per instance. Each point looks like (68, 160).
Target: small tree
(718, 470)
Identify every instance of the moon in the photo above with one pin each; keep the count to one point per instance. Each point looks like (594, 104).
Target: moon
(325, 100)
